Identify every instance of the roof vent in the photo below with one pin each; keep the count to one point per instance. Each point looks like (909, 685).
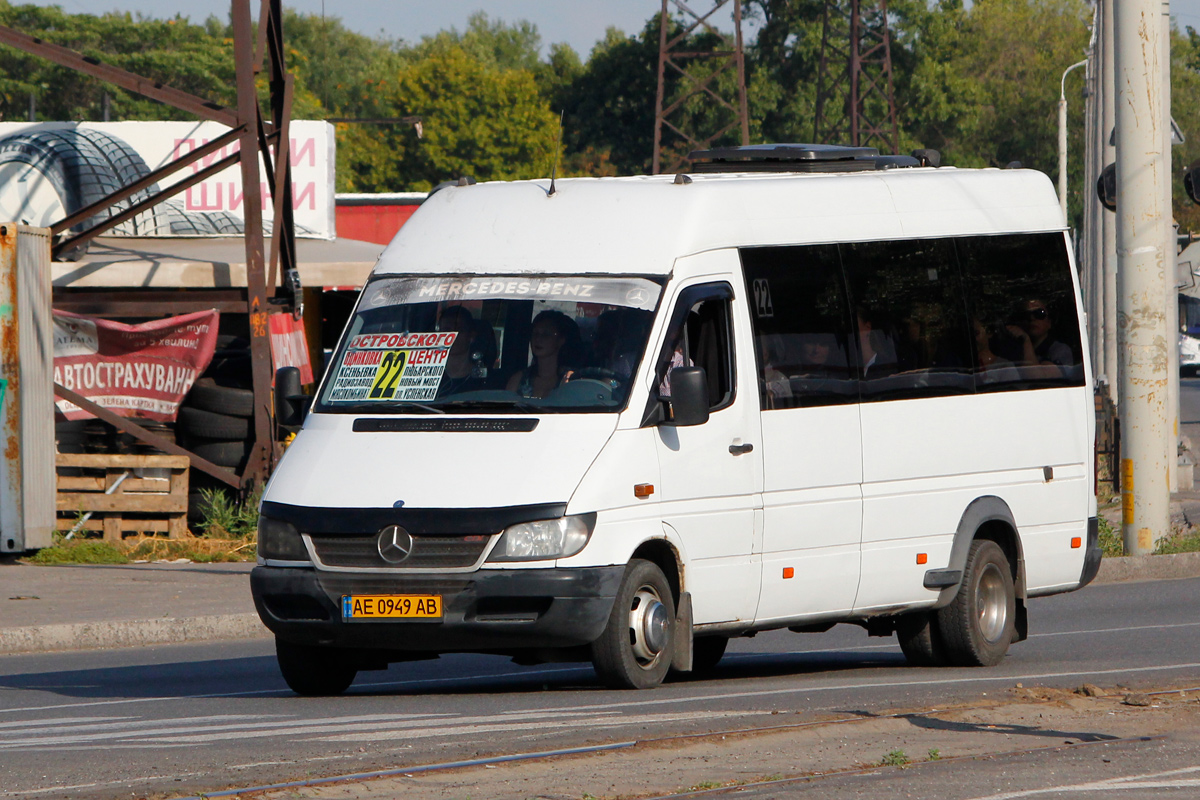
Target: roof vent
(796, 158)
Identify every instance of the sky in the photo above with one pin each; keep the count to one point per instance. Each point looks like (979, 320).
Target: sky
(579, 23)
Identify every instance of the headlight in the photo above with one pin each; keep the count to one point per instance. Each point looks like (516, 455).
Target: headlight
(280, 541)
(548, 538)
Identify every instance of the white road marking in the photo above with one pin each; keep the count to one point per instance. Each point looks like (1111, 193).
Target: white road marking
(146, 728)
(1109, 786)
(475, 725)
(54, 721)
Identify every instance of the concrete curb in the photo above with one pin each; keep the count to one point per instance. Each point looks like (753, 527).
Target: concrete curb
(1149, 568)
(132, 633)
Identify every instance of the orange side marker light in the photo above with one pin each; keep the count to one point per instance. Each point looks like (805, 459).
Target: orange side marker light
(642, 490)
(922, 558)
(789, 572)
(1076, 542)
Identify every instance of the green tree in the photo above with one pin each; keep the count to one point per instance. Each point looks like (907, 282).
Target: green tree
(194, 58)
(478, 120)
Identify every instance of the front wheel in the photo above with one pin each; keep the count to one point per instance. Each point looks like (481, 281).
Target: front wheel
(313, 671)
(977, 627)
(635, 650)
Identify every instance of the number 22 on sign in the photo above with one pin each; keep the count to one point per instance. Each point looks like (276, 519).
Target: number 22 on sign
(388, 375)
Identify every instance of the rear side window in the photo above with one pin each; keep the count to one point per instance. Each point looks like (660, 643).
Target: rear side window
(1022, 311)
(802, 333)
(908, 307)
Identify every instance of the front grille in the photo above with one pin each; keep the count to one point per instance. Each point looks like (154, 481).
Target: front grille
(428, 552)
(338, 584)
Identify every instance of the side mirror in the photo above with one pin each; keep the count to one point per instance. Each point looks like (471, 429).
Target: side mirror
(1106, 187)
(689, 396)
(291, 403)
(1191, 181)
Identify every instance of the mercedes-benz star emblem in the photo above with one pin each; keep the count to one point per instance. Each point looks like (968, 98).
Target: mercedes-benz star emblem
(394, 544)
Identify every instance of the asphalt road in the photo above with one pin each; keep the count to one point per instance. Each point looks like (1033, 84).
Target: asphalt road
(183, 719)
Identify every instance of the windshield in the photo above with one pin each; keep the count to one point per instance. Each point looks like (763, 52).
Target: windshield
(509, 344)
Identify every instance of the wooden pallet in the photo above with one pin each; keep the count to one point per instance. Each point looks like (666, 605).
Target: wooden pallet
(139, 505)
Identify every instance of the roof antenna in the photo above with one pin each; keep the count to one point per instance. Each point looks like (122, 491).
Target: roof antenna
(557, 150)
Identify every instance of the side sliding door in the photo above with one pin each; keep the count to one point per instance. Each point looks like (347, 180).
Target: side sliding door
(811, 443)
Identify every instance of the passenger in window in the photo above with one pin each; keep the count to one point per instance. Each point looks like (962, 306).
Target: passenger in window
(1038, 346)
(991, 367)
(612, 350)
(555, 343)
(468, 361)
(877, 351)
(776, 388)
(678, 359)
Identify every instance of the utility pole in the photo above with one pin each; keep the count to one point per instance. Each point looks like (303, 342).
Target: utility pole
(856, 103)
(1109, 221)
(701, 71)
(1141, 173)
(1170, 252)
(1062, 138)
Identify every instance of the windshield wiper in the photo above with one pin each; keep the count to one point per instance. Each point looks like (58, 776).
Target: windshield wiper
(383, 408)
(461, 405)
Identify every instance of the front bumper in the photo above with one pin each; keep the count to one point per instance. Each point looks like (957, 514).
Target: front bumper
(484, 611)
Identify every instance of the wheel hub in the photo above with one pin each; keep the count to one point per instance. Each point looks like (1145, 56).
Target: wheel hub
(992, 603)
(649, 625)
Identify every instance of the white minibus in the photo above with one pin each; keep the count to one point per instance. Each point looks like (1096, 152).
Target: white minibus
(623, 420)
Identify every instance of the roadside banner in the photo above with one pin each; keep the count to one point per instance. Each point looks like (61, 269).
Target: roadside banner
(289, 347)
(133, 370)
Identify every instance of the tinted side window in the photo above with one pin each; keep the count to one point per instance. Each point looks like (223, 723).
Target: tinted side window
(1022, 307)
(911, 317)
(801, 326)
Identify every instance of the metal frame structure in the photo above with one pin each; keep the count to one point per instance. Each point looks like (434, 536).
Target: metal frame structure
(257, 137)
(670, 54)
(856, 68)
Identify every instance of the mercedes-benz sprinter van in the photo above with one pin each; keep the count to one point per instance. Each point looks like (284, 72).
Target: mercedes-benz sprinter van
(626, 419)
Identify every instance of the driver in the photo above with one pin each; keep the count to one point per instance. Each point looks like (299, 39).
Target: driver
(554, 341)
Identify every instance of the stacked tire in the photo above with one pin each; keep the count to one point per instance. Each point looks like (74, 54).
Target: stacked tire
(216, 419)
(216, 422)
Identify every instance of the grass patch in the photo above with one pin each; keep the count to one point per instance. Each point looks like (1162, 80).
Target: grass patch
(1110, 540)
(225, 517)
(896, 758)
(202, 550)
(1179, 542)
(80, 551)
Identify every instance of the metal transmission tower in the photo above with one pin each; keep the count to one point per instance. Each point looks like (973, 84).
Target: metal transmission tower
(855, 101)
(729, 112)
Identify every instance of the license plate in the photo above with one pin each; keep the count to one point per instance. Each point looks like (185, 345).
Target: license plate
(391, 606)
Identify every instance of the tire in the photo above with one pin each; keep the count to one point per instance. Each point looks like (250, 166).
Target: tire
(231, 369)
(223, 454)
(977, 627)
(206, 395)
(921, 639)
(313, 671)
(635, 650)
(707, 652)
(211, 425)
(83, 165)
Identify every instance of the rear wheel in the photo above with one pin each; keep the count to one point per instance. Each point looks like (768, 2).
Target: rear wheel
(707, 651)
(921, 640)
(635, 650)
(313, 671)
(977, 627)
